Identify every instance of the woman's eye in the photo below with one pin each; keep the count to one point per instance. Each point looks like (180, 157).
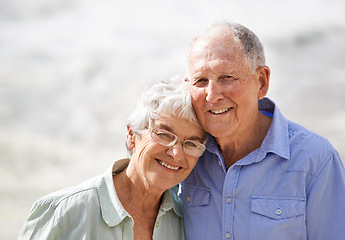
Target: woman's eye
(164, 135)
(190, 144)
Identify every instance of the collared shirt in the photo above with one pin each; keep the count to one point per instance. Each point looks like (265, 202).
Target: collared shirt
(93, 211)
(292, 187)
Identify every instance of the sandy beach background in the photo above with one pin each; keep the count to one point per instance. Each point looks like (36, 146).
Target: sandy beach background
(71, 71)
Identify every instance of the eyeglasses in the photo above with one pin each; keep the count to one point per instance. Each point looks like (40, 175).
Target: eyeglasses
(168, 139)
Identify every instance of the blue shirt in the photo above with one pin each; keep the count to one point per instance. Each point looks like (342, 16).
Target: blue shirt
(292, 187)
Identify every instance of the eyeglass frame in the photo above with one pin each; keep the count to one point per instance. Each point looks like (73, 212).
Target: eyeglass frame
(199, 146)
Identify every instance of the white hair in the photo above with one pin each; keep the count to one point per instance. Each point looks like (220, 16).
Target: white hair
(246, 39)
(163, 97)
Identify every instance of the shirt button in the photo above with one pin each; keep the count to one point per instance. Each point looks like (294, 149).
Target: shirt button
(157, 224)
(227, 235)
(278, 211)
(228, 200)
(188, 198)
(220, 164)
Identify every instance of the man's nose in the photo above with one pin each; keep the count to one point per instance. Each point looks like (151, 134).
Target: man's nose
(213, 91)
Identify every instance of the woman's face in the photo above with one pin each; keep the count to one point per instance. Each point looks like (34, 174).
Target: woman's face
(159, 166)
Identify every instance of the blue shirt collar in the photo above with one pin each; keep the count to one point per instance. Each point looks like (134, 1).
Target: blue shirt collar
(277, 137)
(276, 140)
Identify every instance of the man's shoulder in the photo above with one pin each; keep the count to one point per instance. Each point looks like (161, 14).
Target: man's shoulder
(308, 150)
(300, 136)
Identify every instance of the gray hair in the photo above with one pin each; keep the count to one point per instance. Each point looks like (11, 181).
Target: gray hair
(246, 39)
(163, 97)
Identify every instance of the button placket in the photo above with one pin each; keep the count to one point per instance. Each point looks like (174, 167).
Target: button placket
(188, 198)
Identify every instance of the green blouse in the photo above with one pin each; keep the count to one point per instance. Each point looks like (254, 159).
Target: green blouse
(92, 210)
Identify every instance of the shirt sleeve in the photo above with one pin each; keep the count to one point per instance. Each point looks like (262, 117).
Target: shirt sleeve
(41, 223)
(326, 201)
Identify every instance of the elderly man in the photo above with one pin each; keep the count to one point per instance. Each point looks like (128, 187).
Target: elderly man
(261, 176)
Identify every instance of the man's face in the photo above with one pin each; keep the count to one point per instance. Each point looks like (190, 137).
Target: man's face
(224, 91)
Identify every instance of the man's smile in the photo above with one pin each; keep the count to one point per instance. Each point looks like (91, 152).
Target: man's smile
(220, 111)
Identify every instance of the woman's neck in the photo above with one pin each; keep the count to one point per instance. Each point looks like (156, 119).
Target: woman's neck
(141, 203)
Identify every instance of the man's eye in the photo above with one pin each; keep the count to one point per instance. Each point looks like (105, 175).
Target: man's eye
(200, 81)
(228, 77)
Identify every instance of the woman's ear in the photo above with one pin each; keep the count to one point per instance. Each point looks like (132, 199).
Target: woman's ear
(264, 79)
(130, 138)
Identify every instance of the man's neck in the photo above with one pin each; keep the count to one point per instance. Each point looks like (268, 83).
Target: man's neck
(234, 148)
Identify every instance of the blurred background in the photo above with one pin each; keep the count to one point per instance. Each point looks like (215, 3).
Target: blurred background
(71, 71)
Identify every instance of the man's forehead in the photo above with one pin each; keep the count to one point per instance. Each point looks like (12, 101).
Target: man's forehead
(214, 48)
(216, 43)
(214, 58)
(201, 65)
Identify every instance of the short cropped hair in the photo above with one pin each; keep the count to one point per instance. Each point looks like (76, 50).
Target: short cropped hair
(163, 97)
(247, 40)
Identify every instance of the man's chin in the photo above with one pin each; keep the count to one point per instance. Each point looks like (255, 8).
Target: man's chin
(218, 131)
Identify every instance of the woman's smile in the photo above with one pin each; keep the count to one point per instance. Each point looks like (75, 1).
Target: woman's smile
(167, 165)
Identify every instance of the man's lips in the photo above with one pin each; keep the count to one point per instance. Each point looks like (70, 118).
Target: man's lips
(167, 165)
(219, 111)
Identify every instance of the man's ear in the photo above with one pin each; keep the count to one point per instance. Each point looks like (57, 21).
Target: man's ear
(130, 138)
(264, 79)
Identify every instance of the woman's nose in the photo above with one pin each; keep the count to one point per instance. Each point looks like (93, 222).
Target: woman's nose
(176, 151)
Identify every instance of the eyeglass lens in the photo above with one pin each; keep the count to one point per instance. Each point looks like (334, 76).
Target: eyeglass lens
(166, 138)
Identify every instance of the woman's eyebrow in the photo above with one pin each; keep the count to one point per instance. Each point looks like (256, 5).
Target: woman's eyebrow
(195, 138)
(166, 127)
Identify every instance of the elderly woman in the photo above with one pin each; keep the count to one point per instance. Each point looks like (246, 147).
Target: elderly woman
(136, 197)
